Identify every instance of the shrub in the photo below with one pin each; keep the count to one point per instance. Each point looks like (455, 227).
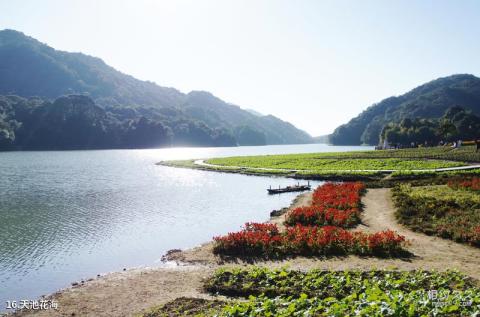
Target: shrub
(323, 216)
(266, 240)
(471, 184)
(254, 239)
(446, 211)
(332, 204)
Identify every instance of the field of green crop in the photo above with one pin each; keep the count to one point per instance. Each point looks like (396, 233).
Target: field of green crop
(463, 154)
(284, 292)
(371, 166)
(312, 162)
(440, 210)
(404, 173)
(444, 194)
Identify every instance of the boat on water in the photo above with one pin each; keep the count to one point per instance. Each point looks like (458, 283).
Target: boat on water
(294, 188)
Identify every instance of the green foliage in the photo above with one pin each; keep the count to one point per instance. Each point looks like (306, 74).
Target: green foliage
(136, 113)
(465, 153)
(454, 125)
(7, 134)
(283, 292)
(407, 163)
(345, 293)
(315, 162)
(428, 101)
(76, 122)
(340, 173)
(371, 302)
(323, 284)
(440, 210)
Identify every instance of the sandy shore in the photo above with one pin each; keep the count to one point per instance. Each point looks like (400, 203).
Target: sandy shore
(130, 292)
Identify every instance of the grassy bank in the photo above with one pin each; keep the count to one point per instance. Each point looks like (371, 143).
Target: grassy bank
(378, 168)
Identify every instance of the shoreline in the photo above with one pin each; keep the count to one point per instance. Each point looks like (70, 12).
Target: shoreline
(171, 266)
(186, 270)
(372, 178)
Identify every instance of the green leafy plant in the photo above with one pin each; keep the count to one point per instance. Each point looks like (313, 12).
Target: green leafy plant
(440, 210)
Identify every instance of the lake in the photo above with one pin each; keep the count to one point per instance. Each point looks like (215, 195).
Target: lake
(70, 215)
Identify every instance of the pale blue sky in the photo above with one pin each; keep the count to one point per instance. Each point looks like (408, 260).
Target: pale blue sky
(314, 63)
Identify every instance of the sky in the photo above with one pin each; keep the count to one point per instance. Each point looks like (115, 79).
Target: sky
(313, 63)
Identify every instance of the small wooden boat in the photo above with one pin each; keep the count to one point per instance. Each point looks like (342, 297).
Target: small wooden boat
(295, 188)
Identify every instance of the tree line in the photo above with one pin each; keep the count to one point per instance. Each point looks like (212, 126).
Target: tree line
(456, 124)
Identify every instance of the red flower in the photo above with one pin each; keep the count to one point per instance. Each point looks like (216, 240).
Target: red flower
(314, 229)
(307, 240)
(472, 184)
(332, 204)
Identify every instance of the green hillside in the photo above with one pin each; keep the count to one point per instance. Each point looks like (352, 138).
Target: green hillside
(428, 101)
(31, 69)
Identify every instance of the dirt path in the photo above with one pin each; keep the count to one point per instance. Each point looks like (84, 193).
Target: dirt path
(128, 293)
(378, 215)
(429, 251)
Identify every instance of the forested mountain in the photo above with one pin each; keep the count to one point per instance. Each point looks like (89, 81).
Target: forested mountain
(456, 124)
(73, 122)
(47, 92)
(428, 101)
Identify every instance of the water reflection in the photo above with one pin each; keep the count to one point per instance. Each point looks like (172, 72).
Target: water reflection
(70, 215)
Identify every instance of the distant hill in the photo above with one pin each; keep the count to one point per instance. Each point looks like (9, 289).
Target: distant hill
(40, 75)
(428, 101)
(219, 114)
(324, 139)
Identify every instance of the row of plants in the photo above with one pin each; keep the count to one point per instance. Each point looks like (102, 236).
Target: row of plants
(332, 205)
(340, 174)
(468, 184)
(242, 282)
(422, 179)
(406, 164)
(323, 216)
(339, 195)
(313, 162)
(454, 173)
(266, 240)
(372, 302)
(346, 293)
(283, 292)
(443, 210)
(315, 230)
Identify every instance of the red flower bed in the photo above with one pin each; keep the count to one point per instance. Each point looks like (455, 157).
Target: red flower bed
(332, 204)
(471, 184)
(255, 238)
(340, 196)
(315, 230)
(266, 240)
(323, 216)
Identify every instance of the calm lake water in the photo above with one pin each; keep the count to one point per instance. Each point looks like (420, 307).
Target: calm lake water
(70, 215)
